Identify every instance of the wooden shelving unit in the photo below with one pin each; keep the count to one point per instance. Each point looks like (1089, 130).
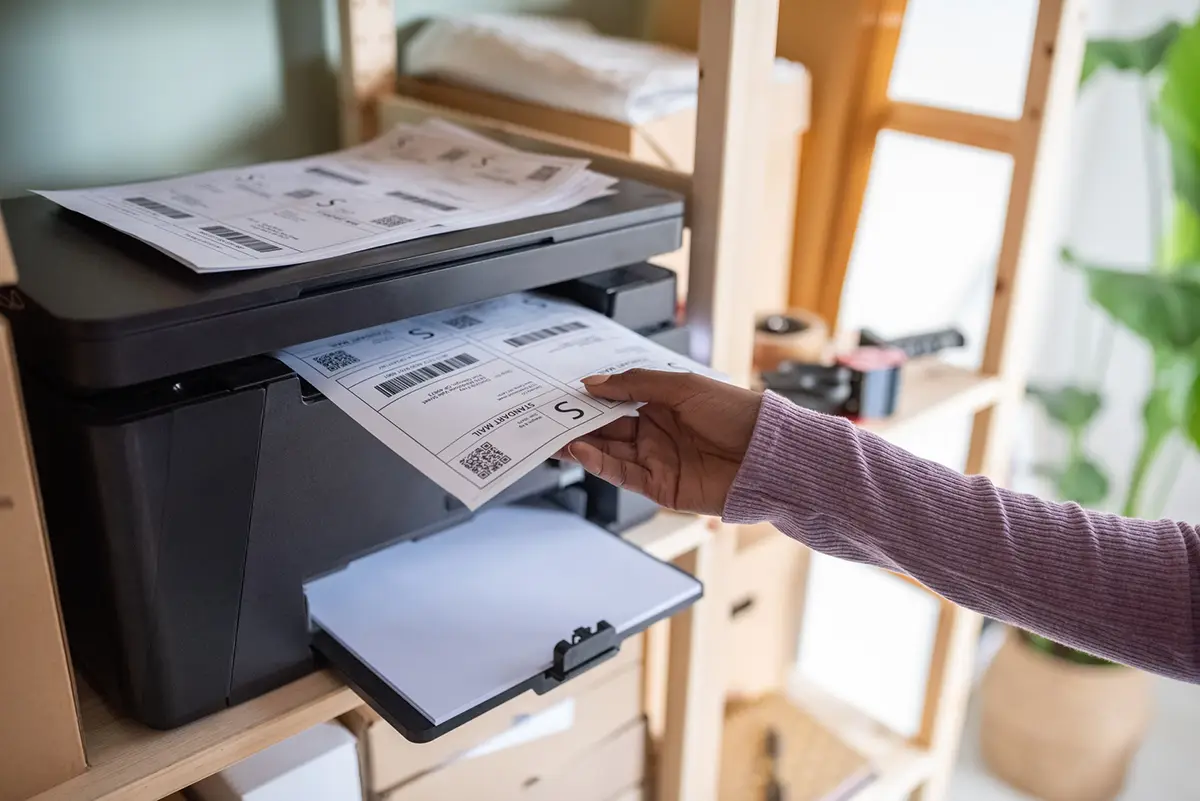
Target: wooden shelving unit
(685, 696)
(901, 766)
(849, 47)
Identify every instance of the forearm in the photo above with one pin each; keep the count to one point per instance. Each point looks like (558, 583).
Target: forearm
(1122, 589)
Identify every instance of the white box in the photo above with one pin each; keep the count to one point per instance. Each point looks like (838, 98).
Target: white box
(319, 764)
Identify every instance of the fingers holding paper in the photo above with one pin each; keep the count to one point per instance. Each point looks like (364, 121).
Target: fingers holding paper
(685, 446)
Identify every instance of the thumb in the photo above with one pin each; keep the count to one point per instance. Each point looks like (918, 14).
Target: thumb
(644, 386)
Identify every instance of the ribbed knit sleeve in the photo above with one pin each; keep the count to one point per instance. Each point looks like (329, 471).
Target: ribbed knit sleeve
(1126, 590)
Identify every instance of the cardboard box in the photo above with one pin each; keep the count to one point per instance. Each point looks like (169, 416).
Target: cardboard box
(40, 742)
(598, 770)
(670, 142)
(766, 592)
(387, 759)
(318, 764)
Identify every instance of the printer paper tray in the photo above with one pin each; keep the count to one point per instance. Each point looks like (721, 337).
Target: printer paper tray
(435, 632)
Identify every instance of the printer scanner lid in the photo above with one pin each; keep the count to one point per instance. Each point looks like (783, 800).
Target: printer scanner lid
(98, 309)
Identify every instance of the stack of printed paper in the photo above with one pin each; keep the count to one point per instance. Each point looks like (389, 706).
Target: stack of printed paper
(414, 181)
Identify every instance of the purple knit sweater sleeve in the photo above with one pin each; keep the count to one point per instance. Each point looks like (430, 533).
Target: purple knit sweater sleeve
(1126, 590)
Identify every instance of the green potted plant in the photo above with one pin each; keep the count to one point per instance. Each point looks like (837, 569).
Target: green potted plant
(1058, 723)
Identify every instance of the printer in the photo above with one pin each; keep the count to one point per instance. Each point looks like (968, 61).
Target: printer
(193, 485)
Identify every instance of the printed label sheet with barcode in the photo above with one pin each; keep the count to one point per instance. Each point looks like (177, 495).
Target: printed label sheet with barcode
(159, 208)
(544, 173)
(336, 360)
(544, 333)
(238, 238)
(422, 201)
(325, 172)
(414, 378)
(462, 321)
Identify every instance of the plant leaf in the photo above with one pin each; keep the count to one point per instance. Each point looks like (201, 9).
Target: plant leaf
(1181, 244)
(1163, 309)
(1073, 407)
(1178, 112)
(1083, 481)
(1142, 55)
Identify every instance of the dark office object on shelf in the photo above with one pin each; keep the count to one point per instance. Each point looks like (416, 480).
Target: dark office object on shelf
(192, 484)
(874, 382)
(822, 387)
(863, 384)
(916, 345)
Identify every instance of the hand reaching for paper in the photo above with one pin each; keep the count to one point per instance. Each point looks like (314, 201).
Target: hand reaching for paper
(684, 448)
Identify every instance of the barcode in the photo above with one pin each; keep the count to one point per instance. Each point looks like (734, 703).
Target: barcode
(462, 321)
(158, 208)
(453, 154)
(423, 201)
(238, 238)
(337, 176)
(413, 378)
(544, 173)
(335, 360)
(544, 333)
(392, 221)
(301, 194)
(485, 460)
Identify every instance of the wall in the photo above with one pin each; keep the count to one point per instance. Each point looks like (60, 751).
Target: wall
(114, 90)
(106, 91)
(1107, 221)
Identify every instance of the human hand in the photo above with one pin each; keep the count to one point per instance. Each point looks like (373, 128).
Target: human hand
(684, 448)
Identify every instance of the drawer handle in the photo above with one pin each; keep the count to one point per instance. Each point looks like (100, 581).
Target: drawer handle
(741, 607)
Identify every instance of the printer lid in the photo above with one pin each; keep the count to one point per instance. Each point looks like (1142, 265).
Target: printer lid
(434, 632)
(104, 309)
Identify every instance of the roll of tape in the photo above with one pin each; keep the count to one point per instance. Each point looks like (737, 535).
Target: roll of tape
(795, 335)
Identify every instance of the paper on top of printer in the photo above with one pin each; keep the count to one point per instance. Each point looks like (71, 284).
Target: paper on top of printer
(411, 182)
(477, 396)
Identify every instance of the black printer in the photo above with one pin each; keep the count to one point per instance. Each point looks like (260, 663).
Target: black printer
(192, 484)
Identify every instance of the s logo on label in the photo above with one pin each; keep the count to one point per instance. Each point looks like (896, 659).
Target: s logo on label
(565, 407)
(423, 333)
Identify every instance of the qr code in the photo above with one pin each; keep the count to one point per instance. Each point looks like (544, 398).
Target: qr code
(485, 460)
(463, 321)
(392, 221)
(335, 360)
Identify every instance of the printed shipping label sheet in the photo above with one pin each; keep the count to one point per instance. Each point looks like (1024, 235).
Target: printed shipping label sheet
(477, 396)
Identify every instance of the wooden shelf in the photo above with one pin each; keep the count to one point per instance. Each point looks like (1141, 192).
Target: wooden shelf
(130, 762)
(901, 766)
(933, 388)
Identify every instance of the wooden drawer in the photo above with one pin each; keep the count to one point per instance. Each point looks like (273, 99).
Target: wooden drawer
(765, 592)
(605, 698)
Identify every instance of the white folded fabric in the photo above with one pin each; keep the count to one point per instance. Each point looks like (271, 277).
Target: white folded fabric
(563, 64)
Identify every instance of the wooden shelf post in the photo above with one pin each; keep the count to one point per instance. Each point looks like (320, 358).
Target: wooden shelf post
(40, 741)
